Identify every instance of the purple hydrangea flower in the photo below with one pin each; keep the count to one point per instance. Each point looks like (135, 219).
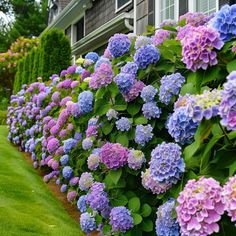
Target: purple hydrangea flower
(64, 160)
(151, 110)
(119, 44)
(167, 164)
(143, 134)
(135, 159)
(81, 203)
(85, 101)
(146, 55)
(63, 188)
(87, 143)
(121, 219)
(160, 36)
(165, 223)
(148, 93)
(87, 222)
(123, 124)
(67, 172)
(113, 155)
(74, 181)
(170, 86)
(134, 91)
(93, 161)
(195, 18)
(71, 196)
(53, 145)
(85, 181)
(124, 82)
(130, 68)
(102, 60)
(92, 131)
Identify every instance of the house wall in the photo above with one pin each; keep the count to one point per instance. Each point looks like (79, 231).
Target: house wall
(141, 16)
(101, 12)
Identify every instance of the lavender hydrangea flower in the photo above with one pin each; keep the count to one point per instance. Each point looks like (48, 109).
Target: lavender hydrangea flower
(81, 203)
(142, 41)
(87, 143)
(92, 131)
(85, 101)
(135, 159)
(67, 172)
(86, 181)
(160, 36)
(134, 91)
(102, 60)
(143, 134)
(53, 145)
(113, 155)
(93, 161)
(123, 124)
(167, 164)
(124, 82)
(200, 207)
(165, 223)
(170, 86)
(87, 222)
(119, 44)
(71, 196)
(151, 110)
(64, 160)
(146, 55)
(224, 22)
(69, 144)
(74, 181)
(227, 109)
(92, 56)
(121, 219)
(112, 114)
(130, 68)
(195, 18)
(63, 188)
(148, 93)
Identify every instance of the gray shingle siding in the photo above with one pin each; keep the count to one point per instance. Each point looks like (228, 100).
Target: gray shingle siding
(142, 16)
(101, 12)
(64, 3)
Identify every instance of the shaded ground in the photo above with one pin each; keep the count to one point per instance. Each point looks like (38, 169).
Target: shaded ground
(27, 207)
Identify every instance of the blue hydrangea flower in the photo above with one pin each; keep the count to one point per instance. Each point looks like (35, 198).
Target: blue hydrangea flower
(121, 219)
(143, 134)
(85, 101)
(146, 55)
(166, 225)
(148, 93)
(119, 44)
(123, 124)
(63, 188)
(170, 86)
(167, 165)
(87, 223)
(224, 22)
(64, 160)
(87, 143)
(69, 144)
(92, 56)
(81, 203)
(85, 181)
(124, 82)
(151, 110)
(102, 60)
(67, 172)
(130, 68)
(181, 126)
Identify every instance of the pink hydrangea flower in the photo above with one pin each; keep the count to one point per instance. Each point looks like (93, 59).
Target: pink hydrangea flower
(200, 207)
(160, 36)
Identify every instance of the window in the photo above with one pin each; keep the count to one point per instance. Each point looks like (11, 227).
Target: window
(79, 28)
(167, 9)
(120, 4)
(205, 6)
(68, 33)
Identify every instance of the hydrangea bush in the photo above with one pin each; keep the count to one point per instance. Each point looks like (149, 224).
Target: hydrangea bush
(142, 138)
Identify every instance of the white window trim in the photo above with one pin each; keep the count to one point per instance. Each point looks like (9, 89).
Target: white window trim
(192, 5)
(157, 11)
(122, 7)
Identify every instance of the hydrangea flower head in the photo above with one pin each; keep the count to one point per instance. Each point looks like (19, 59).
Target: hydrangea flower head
(142, 41)
(123, 124)
(92, 56)
(146, 55)
(64, 160)
(165, 223)
(112, 114)
(93, 161)
(130, 68)
(87, 223)
(87, 143)
(170, 86)
(134, 91)
(151, 110)
(67, 172)
(71, 196)
(160, 36)
(85, 181)
(102, 60)
(135, 159)
(119, 44)
(143, 134)
(63, 188)
(92, 131)
(148, 93)
(69, 144)
(200, 207)
(53, 145)
(113, 155)
(167, 164)
(121, 219)
(124, 82)
(85, 101)
(195, 18)
(81, 203)
(74, 181)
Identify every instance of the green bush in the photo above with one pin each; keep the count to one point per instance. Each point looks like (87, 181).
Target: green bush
(3, 117)
(35, 72)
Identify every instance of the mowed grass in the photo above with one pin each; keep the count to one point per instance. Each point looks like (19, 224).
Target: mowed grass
(27, 207)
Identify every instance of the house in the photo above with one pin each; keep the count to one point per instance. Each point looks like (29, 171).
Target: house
(90, 23)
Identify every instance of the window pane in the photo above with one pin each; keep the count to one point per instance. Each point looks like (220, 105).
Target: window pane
(79, 29)
(120, 3)
(172, 12)
(68, 33)
(206, 6)
(167, 8)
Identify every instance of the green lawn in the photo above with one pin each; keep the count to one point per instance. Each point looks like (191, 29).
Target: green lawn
(27, 207)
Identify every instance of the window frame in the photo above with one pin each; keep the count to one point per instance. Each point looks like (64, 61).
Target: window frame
(158, 10)
(192, 5)
(122, 7)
